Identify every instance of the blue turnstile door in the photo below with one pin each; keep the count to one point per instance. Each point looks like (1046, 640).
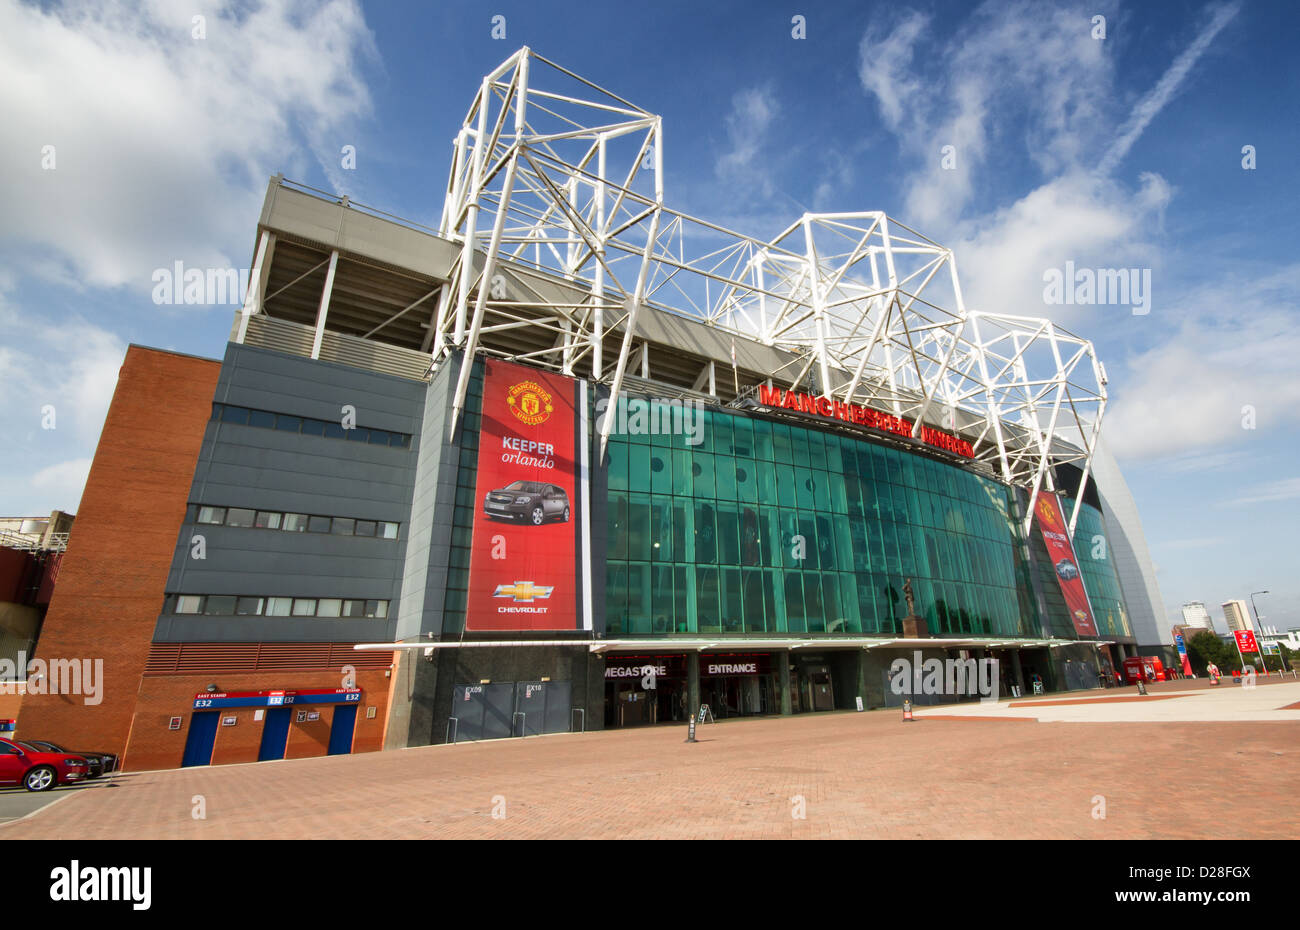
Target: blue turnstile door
(345, 721)
(201, 738)
(275, 734)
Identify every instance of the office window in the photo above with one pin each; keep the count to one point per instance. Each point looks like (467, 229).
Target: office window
(189, 604)
(231, 414)
(365, 528)
(239, 516)
(261, 418)
(287, 423)
(219, 605)
(318, 524)
(279, 606)
(295, 522)
(248, 606)
(212, 515)
(387, 530)
(304, 606)
(329, 607)
(267, 521)
(343, 526)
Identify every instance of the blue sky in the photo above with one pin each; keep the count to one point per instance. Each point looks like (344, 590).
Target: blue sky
(1122, 152)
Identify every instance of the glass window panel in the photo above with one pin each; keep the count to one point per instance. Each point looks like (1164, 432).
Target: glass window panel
(616, 522)
(212, 515)
(248, 606)
(834, 464)
(816, 449)
(365, 528)
(723, 440)
(706, 542)
(239, 516)
(261, 418)
(386, 530)
(353, 608)
(335, 431)
(786, 482)
(794, 605)
(799, 446)
(746, 481)
(683, 473)
(661, 471)
(742, 436)
(304, 606)
(831, 603)
(358, 434)
(329, 607)
(661, 597)
(782, 447)
(683, 547)
(750, 540)
(804, 487)
(313, 427)
(763, 450)
(826, 543)
(752, 582)
(287, 423)
(638, 527)
(267, 520)
(728, 534)
(379, 437)
(812, 550)
(706, 599)
(318, 524)
(295, 522)
(377, 609)
(279, 606)
(702, 471)
(231, 414)
(661, 529)
(766, 482)
(343, 526)
(730, 606)
(616, 453)
(219, 605)
(638, 468)
(189, 604)
(725, 477)
(684, 598)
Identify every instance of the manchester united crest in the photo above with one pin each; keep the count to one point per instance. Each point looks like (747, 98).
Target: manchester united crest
(529, 402)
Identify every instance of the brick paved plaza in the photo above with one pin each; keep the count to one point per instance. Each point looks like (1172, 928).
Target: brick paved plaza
(862, 775)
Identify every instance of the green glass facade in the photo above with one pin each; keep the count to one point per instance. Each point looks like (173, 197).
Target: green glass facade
(766, 527)
(1092, 551)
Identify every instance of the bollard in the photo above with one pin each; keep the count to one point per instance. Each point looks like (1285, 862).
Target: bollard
(690, 734)
(1142, 686)
(907, 709)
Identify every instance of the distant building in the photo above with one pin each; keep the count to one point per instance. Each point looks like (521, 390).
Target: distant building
(1237, 615)
(1195, 615)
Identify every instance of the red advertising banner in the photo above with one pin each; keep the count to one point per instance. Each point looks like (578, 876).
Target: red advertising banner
(1061, 552)
(1246, 641)
(523, 565)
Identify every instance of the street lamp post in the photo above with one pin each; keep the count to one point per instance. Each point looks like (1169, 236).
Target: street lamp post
(1260, 632)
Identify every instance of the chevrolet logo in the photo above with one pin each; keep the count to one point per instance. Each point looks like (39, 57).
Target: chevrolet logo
(523, 591)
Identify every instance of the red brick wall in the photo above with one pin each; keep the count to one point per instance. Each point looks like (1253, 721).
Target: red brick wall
(113, 575)
(153, 746)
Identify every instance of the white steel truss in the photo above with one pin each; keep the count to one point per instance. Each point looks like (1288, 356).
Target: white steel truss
(557, 178)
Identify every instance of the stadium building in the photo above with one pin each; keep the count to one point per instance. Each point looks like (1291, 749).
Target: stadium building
(576, 460)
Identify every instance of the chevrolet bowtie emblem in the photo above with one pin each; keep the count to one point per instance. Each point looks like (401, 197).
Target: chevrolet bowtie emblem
(523, 591)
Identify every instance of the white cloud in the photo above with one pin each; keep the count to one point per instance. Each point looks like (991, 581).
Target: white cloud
(1166, 87)
(747, 124)
(60, 486)
(1233, 348)
(1285, 489)
(163, 142)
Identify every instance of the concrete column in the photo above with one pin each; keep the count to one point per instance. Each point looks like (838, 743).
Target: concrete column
(693, 682)
(783, 668)
(862, 679)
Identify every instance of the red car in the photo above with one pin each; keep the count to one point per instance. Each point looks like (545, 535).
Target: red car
(38, 771)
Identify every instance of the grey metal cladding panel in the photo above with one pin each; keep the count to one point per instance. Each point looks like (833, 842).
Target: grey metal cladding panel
(689, 335)
(174, 629)
(331, 224)
(292, 457)
(267, 380)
